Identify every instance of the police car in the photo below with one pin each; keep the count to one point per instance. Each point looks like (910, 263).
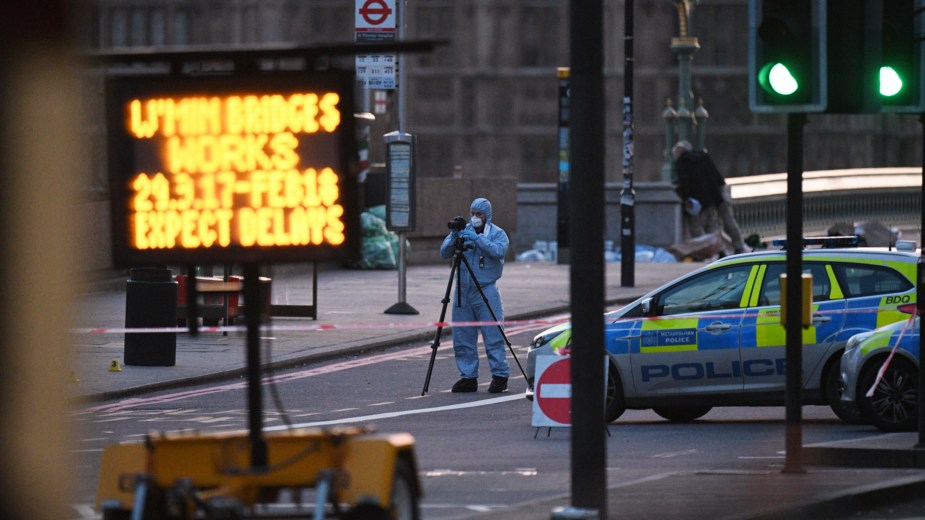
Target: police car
(714, 338)
(893, 403)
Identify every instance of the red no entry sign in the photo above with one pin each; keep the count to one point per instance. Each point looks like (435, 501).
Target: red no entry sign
(553, 392)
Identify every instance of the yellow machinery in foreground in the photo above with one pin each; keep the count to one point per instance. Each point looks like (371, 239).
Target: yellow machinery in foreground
(355, 474)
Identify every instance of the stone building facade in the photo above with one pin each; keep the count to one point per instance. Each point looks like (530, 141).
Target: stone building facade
(487, 100)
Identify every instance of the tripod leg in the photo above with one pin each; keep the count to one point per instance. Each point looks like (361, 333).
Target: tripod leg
(514, 355)
(436, 343)
(433, 358)
(493, 316)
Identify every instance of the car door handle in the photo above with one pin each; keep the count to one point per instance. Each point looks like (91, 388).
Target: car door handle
(819, 318)
(718, 326)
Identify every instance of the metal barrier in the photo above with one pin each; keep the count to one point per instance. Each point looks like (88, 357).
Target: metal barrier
(891, 196)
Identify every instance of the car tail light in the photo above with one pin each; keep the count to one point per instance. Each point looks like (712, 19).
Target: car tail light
(908, 308)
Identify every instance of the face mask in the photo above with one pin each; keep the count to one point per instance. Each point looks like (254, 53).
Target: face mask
(476, 222)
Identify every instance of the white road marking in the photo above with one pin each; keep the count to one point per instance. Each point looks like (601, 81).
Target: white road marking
(480, 508)
(520, 472)
(671, 454)
(389, 415)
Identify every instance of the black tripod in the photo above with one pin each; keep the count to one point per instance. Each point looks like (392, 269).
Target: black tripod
(458, 257)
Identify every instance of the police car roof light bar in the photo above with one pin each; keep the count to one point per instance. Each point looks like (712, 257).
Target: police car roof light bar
(825, 242)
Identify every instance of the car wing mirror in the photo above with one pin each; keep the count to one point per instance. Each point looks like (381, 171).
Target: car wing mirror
(646, 307)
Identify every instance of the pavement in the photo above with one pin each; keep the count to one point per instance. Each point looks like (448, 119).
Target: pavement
(838, 479)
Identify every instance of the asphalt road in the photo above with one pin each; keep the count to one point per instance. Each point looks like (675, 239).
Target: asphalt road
(476, 452)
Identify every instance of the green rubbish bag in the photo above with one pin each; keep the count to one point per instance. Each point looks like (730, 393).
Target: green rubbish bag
(377, 253)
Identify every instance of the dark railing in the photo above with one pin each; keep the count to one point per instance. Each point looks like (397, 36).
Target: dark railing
(891, 196)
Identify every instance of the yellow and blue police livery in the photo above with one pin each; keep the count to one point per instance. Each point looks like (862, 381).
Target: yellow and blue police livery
(893, 403)
(714, 337)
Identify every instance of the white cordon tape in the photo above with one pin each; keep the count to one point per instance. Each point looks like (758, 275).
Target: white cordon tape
(886, 363)
(418, 324)
(344, 326)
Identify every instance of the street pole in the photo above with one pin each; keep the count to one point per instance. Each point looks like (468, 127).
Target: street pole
(628, 195)
(793, 461)
(679, 123)
(402, 306)
(920, 300)
(253, 309)
(562, 242)
(586, 228)
(400, 63)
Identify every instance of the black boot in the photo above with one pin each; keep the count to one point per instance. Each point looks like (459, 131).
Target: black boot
(498, 385)
(466, 384)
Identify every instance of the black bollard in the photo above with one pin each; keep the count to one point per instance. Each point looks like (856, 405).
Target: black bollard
(150, 301)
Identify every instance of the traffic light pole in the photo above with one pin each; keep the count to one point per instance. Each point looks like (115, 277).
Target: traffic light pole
(793, 462)
(920, 301)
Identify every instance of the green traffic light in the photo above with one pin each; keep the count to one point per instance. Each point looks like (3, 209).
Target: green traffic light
(890, 82)
(776, 78)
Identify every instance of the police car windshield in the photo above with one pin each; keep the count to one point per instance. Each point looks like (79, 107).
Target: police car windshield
(718, 289)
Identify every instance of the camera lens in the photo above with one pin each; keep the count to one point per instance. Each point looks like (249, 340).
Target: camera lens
(457, 224)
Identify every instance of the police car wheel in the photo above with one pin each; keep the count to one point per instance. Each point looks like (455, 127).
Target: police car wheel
(893, 406)
(681, 413)
(847, 412)
(615, 404)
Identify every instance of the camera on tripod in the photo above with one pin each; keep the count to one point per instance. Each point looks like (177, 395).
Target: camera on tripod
(457, 224)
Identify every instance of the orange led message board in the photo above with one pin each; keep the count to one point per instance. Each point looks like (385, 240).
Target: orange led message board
(232, 169)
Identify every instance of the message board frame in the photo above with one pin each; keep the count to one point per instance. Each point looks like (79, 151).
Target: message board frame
(130, 156)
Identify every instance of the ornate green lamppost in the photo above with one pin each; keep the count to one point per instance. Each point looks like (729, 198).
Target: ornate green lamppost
(683, 123)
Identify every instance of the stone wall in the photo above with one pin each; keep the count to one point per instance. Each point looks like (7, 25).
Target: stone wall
(440, 200)
(657, 214)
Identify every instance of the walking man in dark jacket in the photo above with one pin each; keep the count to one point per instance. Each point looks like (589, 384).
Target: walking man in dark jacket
(704, 194)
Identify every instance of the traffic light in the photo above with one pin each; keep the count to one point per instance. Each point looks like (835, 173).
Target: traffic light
(836, 56)
(874, 56)
(787, 46)
(901, 67)
(852, 62)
